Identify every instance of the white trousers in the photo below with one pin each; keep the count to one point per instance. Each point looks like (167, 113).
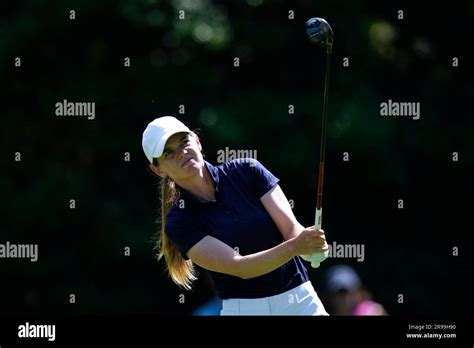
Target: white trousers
(301, 300)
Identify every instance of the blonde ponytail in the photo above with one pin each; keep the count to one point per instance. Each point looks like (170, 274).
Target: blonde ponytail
(182, 272)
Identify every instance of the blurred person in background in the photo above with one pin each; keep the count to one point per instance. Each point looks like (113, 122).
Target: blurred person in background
(344, 293)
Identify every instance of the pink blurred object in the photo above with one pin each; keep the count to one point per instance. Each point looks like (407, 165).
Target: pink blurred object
(368, 307)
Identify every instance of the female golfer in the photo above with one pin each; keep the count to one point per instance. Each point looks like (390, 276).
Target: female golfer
(234, 221)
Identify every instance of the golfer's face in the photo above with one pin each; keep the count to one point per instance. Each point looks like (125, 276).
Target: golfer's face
(181, 156)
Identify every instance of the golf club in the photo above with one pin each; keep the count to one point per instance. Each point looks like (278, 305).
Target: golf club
(320, 32)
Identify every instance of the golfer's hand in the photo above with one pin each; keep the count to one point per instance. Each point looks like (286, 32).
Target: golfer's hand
(310, 241)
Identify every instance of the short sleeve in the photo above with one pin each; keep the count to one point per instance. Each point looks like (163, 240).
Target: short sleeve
(261, 179)
(183, 231)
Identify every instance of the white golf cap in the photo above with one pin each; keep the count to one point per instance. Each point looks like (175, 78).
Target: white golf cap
(158, 132)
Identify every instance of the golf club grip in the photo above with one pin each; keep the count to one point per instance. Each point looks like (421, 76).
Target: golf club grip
(318, 218)
(317, 224)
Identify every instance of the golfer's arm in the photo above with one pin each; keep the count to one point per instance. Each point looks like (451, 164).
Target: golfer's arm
(214, 255)
(294, 231)
(278, 207)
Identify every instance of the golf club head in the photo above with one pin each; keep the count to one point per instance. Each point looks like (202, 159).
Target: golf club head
(320, 32)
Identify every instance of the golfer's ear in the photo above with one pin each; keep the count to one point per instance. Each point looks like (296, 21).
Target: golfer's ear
(157, 171)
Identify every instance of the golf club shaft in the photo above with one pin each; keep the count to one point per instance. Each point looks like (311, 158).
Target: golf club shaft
(319, 209)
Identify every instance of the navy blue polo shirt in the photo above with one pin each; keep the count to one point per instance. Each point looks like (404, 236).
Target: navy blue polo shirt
(238, 218)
